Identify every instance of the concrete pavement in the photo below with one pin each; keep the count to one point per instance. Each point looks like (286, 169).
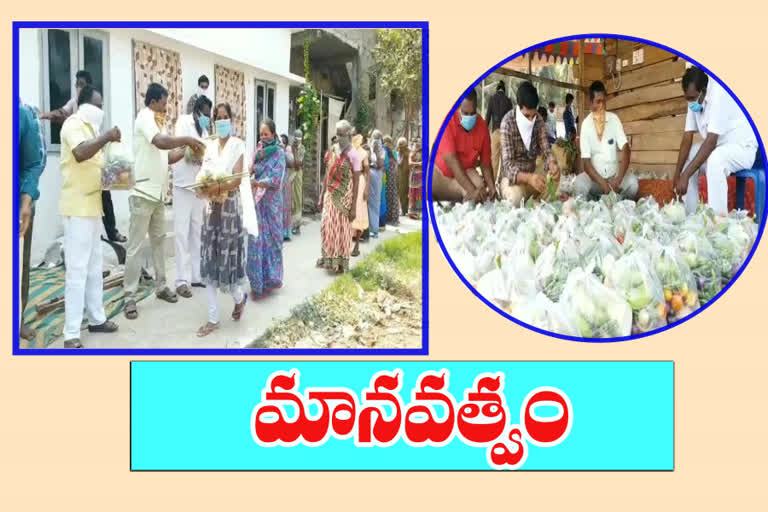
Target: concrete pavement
(164, 325)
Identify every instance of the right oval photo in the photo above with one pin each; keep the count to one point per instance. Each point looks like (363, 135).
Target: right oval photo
(598, 187)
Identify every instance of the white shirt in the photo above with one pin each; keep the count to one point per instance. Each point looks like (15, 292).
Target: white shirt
(552, 123)
(721, 115)
(603, 153)
(184, 172)
(70, 107)
(150, 162)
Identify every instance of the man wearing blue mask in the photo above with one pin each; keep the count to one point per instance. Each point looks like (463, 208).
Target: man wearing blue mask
(465, 146)
(729, 143)
(187, 207)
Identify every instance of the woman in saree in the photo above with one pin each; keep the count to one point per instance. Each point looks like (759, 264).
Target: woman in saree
(393, 199)
(403, 171)
(287, 192)
(360, 224)
(227, 220)
(337, 203)
(414, 182)
(265, 253)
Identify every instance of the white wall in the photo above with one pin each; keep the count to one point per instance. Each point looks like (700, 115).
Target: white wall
(120, 97)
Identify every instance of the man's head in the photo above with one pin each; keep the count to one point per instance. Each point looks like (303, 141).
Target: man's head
(156, 98)
(82, 78)
(527, 100)
(568, 99)
(597, 96)
(468, 111)
(202, 85)
(501, 87)
(552, 106)
(89, 95)
(695, 83)
(297, 135)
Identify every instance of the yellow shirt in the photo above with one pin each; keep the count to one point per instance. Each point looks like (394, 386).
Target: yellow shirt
(81, 190)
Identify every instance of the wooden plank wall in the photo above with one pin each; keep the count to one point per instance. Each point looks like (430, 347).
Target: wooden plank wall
(649, 101)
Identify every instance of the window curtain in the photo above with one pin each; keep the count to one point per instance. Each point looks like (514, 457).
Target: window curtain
(152, 64)
(230, 88)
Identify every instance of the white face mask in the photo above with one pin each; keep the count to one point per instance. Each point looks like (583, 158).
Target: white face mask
(202, 92)
(525, 126)
(92, 115)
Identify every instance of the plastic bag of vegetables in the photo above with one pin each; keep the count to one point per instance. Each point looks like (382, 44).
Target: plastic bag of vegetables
(679, 285)
(731, 243)
(595, 310)
(634, 278)
(700, 256)
(554, 265)
(508, 286)
(545, 314)
(118, 171)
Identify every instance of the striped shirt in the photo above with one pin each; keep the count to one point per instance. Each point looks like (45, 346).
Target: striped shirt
(515, 157)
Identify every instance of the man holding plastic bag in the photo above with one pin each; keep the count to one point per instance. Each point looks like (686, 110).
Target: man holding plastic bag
(602, 138)
(528, 167)
(80, 205)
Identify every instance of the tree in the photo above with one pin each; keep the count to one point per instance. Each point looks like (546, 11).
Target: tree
(398, 62)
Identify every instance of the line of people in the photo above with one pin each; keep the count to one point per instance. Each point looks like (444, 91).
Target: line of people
(226, 231)
(466, 168)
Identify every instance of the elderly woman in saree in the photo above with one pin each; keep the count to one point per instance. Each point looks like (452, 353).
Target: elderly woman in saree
(393, 199)
(297, 181)
(337, 202)
(265, 253)
(376, 188)
(228, 218)
(415, 182)
(360, 224)
(287, 192)
(403, 171)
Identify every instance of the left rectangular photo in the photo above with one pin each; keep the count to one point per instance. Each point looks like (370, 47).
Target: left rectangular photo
(220, 188)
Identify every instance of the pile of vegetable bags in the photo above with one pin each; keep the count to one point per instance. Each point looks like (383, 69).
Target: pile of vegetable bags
(595, 269)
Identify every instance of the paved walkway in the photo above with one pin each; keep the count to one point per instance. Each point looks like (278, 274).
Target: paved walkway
(164, 325)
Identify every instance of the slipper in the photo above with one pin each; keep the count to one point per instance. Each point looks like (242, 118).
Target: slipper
(207, 329)
(237, 313)
(184, 291)
(167, 295)
(73, 343)
(198, 285)
(355, 254)
(106, 327)
(130, 312)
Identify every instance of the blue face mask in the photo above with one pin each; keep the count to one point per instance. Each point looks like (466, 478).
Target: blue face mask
(204, 123)
(223, 128)
(695, 106)
(468, 122)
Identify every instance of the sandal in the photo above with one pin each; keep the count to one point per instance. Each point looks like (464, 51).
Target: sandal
(167, 295)
(73, 343)
(207, 329)
(131, 313)
(355, 253)
(184, 291)
(237, 313)
(320, 262)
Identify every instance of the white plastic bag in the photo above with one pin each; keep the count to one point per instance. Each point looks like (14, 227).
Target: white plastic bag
(118, 170)
(595, 310)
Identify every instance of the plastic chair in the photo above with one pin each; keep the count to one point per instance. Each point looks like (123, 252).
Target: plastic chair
(757, 175)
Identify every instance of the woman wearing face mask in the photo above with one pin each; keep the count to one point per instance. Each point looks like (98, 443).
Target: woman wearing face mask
(414, 182)
(360, 224)
(338, 203)
(82, 158)
(226, 223)
(187, 207)
(376, 187)
(403, 171)
(287, 191)
(393, 197)
(265, 253)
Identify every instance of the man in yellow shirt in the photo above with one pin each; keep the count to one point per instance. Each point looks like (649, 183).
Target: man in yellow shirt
(81, 210)
(154, 151)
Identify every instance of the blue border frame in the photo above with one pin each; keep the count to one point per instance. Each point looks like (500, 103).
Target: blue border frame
(423, 25)
(531, 327)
